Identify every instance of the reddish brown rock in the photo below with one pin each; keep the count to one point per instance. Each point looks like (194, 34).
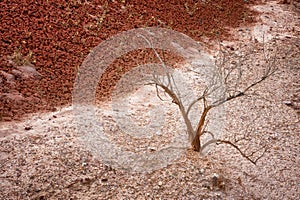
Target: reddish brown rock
(56, 36)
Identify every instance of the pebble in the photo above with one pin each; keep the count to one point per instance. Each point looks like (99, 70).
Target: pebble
(288, 103)
(160, 183)
(202, 171)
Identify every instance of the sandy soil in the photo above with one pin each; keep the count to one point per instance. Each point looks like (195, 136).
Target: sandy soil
(44, 157)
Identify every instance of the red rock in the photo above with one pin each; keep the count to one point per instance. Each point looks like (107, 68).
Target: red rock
(60, 37)
(29, 71)
(16, 97)
(9, 77)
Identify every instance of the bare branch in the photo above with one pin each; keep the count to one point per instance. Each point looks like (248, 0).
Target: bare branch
(269, 72)
(210, 133)
(196, 100)
(231, 76)
(171, 89)
(248, 157)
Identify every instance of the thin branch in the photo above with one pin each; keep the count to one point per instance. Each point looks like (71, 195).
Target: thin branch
(157, 92)
(268, 73)
(195, 101)
(210, 133)
(216, 141)
(169, 89)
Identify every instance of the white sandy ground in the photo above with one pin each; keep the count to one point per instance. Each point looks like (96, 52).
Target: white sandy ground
(49, 160)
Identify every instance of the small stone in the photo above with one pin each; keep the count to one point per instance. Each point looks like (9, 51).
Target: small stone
(104, 180)
(29, 70)
(27, 128)
(26, 72)
(288, 103)
(158, 132)
(274, 136)
(276, 147)
(217, 195)
(215, 175)
(37, 190)
(16, 73)
(202, 171)
(160, 183)
(215, 179)
(151, 149)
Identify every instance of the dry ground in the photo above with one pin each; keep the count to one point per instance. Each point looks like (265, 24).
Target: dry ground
(42, 156)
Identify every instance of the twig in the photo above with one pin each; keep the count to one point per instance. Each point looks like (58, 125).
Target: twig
(216, 141)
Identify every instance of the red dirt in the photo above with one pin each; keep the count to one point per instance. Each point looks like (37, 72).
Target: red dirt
(60, 35)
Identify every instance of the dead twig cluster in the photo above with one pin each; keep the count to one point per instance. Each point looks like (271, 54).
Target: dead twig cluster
(228, 78)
